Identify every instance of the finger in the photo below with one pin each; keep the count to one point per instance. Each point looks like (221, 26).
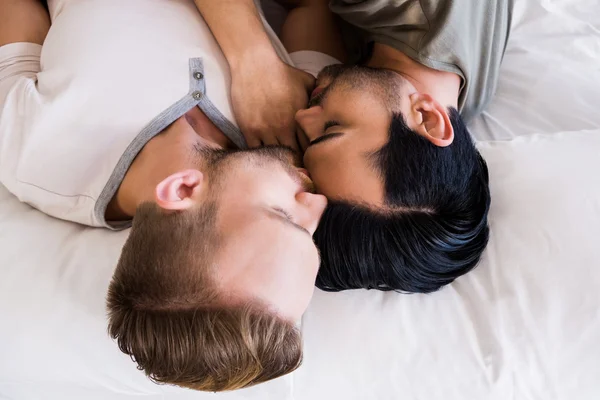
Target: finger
(302, 139)
(308, 81)
(253, 141)
(270, 140)
(287, 137)
(292, 143)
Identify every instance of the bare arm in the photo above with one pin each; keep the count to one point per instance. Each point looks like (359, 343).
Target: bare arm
(266, 93)
(311, 25)
(23, 21)
(237, 27)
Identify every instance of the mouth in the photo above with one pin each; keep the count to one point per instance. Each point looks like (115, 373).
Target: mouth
(305, 180)
(316, 92)
(303, 171)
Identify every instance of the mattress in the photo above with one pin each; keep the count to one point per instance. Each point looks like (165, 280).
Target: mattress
(523, 325)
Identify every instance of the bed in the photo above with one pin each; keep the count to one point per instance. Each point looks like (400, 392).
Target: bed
(524, 325)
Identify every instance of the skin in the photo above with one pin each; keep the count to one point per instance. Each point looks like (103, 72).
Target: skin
(269, 217)
(265, 92)
(266, 217)
(310, 25)
(362, 105)
(275, 257)
(23, 21)
(350, 112)
(267, 213)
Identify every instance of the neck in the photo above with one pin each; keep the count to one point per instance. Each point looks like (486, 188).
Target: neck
(442, 86)
(138, 186)
(165, 154)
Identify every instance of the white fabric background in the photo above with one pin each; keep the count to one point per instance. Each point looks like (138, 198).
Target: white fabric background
(524, 325)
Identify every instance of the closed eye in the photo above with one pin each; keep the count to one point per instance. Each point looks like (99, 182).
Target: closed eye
(326, 136)
(323, 138)
(286, 217)
(329, 124)
(286, 214)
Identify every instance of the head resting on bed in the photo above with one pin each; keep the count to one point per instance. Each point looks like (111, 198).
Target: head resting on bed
(178, 326)
(408, 191)
(214, 276)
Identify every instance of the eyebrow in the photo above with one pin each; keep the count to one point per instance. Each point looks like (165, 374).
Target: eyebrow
(276, 215)
(323, 138)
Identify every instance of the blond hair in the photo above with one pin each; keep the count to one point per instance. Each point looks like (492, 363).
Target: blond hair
(166, 313)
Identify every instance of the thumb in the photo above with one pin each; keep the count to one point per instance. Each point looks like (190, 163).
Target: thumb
(308, 81)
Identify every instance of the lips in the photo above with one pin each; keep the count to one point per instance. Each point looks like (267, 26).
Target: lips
(305, 181)
(303, 171)
(316, 92)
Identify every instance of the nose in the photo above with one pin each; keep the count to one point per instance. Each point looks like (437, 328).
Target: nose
(312, 208)
(310, 121)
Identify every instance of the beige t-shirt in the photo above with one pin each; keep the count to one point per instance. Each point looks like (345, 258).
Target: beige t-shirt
(466, 37)
(111, 75)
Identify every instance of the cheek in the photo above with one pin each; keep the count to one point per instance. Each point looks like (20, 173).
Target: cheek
(328, 170)
(344, 175)
(306, 283)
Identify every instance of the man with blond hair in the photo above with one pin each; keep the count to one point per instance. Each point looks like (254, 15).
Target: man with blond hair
(120, 113)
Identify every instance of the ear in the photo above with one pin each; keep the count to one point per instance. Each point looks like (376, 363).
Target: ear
(432, 119)
(180, 191)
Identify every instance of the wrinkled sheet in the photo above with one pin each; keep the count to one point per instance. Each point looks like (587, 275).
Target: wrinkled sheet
(524, 325)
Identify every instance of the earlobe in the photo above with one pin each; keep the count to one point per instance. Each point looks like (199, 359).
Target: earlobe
(179, 191)
(434, 121)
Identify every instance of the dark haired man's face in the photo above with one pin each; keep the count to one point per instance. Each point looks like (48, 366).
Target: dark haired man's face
(346, 122)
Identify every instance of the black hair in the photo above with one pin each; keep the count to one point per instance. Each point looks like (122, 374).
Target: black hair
(432, 229)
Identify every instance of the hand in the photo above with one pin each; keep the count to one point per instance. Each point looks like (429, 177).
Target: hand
(266, 94)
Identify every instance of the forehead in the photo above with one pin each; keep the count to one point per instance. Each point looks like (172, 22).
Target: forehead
(361, 102)
(362, 113)
(346, 168)
(366, 92)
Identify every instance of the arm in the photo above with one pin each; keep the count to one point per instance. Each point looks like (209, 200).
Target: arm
(23, 21)
(23, 28)
(266, 93)
(237, 27)
(310, 25)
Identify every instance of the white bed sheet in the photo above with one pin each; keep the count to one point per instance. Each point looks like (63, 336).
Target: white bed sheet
(524, 325)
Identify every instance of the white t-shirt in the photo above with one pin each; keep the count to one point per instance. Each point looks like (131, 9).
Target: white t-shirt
(111, 75)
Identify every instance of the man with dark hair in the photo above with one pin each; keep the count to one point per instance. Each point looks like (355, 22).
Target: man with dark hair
(429, 228)
(386, 140)
(408, 191)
